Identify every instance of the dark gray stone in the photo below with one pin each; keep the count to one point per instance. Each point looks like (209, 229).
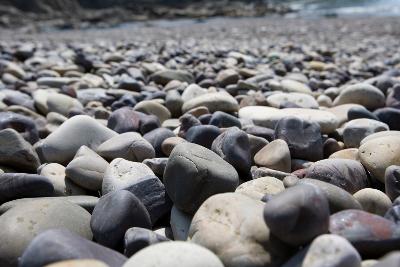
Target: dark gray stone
(137, 238)
(203, 135)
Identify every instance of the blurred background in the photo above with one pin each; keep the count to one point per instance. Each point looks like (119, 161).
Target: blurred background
(42, 15)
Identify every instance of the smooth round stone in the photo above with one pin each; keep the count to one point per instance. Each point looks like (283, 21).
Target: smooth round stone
(165, 76)
(298, 214)
(224, 120)
(78, 263)
(194, 173)
(373, 201)
(303, 138)
(324, 101)
(368, 263)
(199, 111)
(154, 108)
(227, 77)
(63, 186)
(23, 222)
(338, 198)
(180, 224)
(299, 99)
(370, 234)
(193, 91)
(356, 130)
(269, 117)
(16, 152)
(379, 153)
(392, 181)
(121, 174)
(360, 113)
(126, 119)
(390, 116)
(62, 145)
(275, 155)
(293, 86)
(57, 245)
(331, 251)
(87, 169)
(179, 254)
(156, 137)
(390, 260)
(86, 202)
(137, 238)
(344, 173)
(233, 146)
(203, 135)
(130, 146)
(379, 135)
(364, 94)
(170, 143)
(349, 153)
(232, 224)
(171, 124)
(22, 185)
(260, 187)
(114, 214)
(62, 104)
(220, 101)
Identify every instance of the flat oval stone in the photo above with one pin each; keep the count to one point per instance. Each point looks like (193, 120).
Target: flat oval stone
(21, 185)
(379, 153)
(291, 86)
(57, 245)
(23, 222)
(114, 214)
(364, 94)
(224, 120)
(130, 146)
(344, 173)
(269, 117)
(220, 101)
(370, 234)
(179, 253)
(232, 226)
(62, 145)
(331, 251)
(78, 263)
(137, 238)
(194, 173)
(349, 153)
(298, 214)
(165, 76)
(154, 108)
(379, 135)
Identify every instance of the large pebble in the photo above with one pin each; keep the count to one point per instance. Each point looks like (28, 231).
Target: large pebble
(114, 214)
(60, 244)
(194, 173)
(220, 101)
(137, 238)
(130, 146)
(258, 188)
(299, 99)
(22, 223)
(373, 201)
(348, 174)
(363, 94)
(379, 153)
(356, 130)
(232, 226)
(62, 145)
(275, 155)
(303, 138)
(298, 214)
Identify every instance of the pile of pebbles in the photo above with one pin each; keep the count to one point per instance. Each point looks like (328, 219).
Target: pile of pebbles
(195, 153)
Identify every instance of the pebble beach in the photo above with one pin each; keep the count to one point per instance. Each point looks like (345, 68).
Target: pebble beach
(236, 142)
